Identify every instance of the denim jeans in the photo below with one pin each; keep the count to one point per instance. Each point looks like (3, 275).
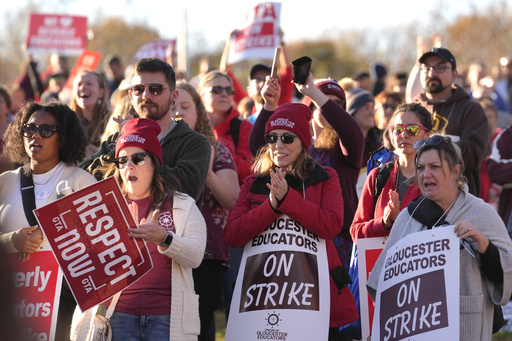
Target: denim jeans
(128, 327)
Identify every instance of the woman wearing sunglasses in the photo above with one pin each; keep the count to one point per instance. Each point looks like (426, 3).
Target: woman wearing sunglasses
(49, 141)
(375, 215)
(216, 89)
(289, 182)
(90, 101)
(220, 193)
(485, 251)
(161, 305)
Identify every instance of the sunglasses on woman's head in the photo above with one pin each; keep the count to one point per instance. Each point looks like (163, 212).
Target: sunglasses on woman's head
(45, 130)
(412, 129)
(137, 158)
(217, 89)
(431, 141)
(285, 138)
(154, 88)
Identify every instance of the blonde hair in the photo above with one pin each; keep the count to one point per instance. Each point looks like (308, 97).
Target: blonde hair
(96, 126)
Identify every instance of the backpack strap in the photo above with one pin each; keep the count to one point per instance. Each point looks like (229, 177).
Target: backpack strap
(234, 130)
(382, 177)
(27, 194)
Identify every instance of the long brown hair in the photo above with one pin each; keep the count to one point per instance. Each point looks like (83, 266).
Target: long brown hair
(203, 124)
(263, 163)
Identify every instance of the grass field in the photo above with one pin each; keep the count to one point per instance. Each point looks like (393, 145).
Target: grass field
(220, 325)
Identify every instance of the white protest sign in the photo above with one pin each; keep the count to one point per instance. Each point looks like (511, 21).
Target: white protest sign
(418, 290)
(282, 291)
(259, 35)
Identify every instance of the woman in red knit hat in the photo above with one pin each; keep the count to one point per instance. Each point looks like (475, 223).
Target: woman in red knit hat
(162, 304)
(291, 207)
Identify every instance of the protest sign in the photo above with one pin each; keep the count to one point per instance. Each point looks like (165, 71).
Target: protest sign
(507, 315)
(88, 61)
(156, 48)
(36, 293)
(63, 34)
(418, 290)
(369, 250)
(259, 35)
(87, 231)
(282, 291)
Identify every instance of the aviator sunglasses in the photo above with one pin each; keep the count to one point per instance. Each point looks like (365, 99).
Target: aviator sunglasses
(432, 141)
(217, 89)
(285, 138)
(412, 129)
(45, 130)
(154, 88)
(137, 158)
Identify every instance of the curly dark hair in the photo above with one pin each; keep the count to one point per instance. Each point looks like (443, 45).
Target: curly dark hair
(71, 134)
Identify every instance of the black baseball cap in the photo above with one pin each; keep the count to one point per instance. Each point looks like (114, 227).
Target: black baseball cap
(258, 67)
(442, 53)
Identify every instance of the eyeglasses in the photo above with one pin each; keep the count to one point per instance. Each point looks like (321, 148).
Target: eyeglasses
(217, 89)
(387, 106)
(285, 138)
(438, 68)
(45, 130)
(339, 102)
(137, 158)
(431, 141)
(412, 129)
(154, 88)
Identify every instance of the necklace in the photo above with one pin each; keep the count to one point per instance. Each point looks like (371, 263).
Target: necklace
(446, 212)
(49, 178)
(42, 191)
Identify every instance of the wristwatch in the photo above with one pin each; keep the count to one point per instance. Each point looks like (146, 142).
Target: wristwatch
(167, 240)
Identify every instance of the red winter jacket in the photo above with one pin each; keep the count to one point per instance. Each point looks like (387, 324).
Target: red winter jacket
(321, 212)
(241, 154)
(367, 221)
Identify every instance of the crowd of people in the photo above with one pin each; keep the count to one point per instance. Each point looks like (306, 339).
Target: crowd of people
(225, 163)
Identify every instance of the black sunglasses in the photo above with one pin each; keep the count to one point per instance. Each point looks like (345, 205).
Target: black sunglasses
(431, 141)
(154, 88)
(217, 89)
(137, 158)
(285, 138)
(339, 102)
(387, 106)
(45, 130)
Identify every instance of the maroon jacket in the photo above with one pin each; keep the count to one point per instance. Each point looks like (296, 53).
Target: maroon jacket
(499, 168)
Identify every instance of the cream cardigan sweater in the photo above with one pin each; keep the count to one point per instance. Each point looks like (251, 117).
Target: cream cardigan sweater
(186, 250)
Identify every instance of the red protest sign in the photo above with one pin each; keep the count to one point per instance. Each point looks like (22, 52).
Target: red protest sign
(37, 284)
(259, 34)
(88, 234)
(89, 61)
(64, 34)
(156, 48)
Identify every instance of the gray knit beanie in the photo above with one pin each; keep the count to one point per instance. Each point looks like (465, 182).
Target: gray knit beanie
(356, 98)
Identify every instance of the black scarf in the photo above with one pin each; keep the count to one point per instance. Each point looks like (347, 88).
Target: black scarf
(426, 212)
